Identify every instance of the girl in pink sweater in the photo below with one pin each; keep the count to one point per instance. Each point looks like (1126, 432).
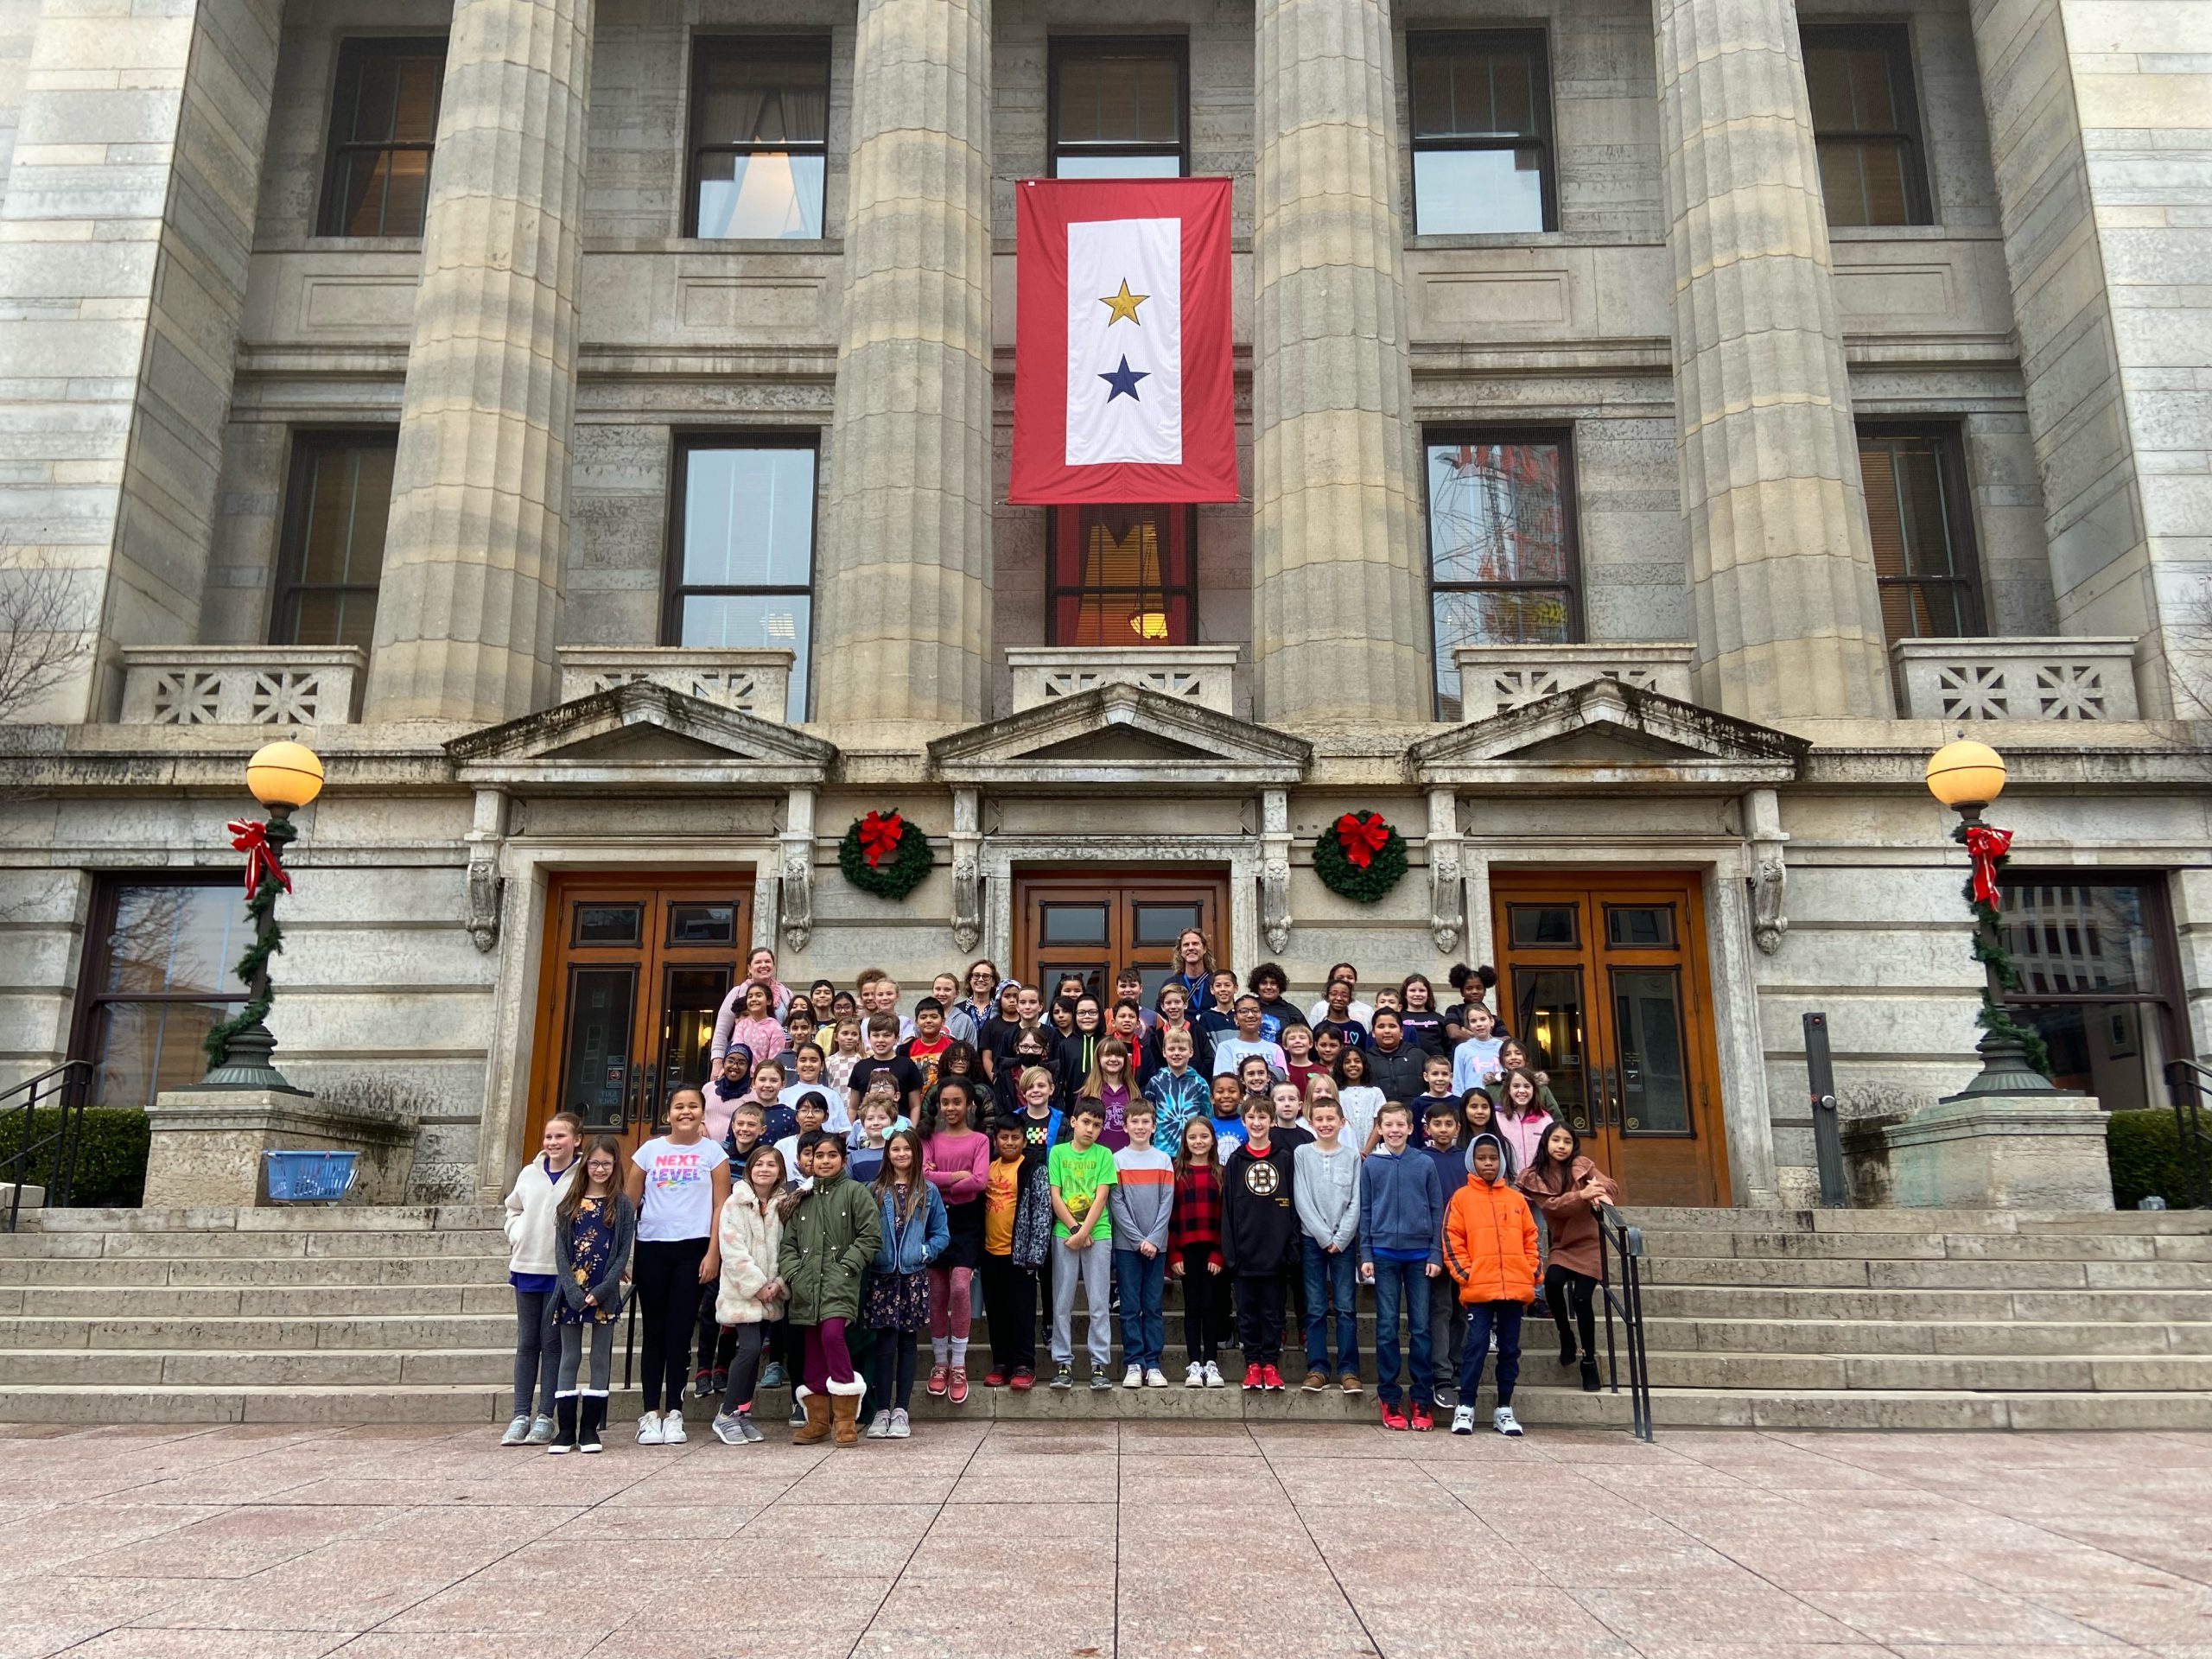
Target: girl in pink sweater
(956, 1159)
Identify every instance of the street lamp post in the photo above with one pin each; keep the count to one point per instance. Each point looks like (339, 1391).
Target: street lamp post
(1966, 776)
(241, 1052)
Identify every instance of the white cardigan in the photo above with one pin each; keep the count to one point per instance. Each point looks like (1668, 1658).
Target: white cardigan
(751, 1240)
(529, 1214)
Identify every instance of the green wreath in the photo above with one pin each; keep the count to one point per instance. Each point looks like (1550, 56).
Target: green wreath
(901, 851)
(1342, 873)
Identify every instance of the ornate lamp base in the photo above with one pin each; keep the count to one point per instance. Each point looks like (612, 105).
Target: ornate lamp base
(248, 1061)
(2006, 1071)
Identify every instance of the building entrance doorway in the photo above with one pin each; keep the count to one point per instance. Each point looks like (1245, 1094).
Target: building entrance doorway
(1095, 923)
(632, 979)
(1603, 976)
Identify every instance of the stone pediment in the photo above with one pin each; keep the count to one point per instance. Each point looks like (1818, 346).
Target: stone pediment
(1606, 735)
(640, 734)
(1118, 734)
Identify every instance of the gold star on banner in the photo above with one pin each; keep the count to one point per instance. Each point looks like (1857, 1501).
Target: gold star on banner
(1123, 304)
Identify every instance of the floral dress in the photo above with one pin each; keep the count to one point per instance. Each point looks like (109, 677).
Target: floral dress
(591, 1241)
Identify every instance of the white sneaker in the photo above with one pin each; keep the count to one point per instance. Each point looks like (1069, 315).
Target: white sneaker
(1154, 1377)
(1133, 1377)
(649, 1430)
(541, 1432)
(1501, 1420)
(901, 1428)
(879, 1427)
(1194, 1376)
(517, 1431)
(1213, 1376)
(728, 1429)
(1463, 1420)
(672, 1428)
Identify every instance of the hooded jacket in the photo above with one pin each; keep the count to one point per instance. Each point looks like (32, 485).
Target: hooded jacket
(1574, 1224)
(752, 1237)
(1400, 1204)
(529, 1214)
(1259, 1218)
(827, 1242)
(1489, 1243)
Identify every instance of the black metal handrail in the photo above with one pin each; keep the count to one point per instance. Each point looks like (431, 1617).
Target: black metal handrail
(69, 1087)
(2185, 1087)
(1623, 1290)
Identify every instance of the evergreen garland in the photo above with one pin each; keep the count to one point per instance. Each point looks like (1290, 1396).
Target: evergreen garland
(893, 876)
(1361, 884)
(1989, 948)
(252, 966)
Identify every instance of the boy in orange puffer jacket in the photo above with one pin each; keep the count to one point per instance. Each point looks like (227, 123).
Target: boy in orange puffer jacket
(1490, 1249)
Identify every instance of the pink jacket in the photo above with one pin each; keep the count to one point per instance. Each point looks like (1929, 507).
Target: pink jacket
(1523, 1136)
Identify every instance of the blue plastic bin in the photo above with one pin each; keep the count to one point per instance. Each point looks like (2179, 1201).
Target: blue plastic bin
(315, 1177)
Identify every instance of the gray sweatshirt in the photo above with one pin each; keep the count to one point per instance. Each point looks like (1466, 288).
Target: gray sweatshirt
(1327, 1191)
(1143, 1195)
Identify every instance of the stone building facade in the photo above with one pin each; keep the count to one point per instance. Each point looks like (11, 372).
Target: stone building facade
(1662, 422)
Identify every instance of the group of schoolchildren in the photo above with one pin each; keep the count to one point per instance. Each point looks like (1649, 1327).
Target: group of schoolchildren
(814, 1207)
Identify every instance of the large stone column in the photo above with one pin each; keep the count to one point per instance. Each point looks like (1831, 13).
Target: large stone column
(1339, 626)
(124, 237)
(471, 600)
(904, 575)
(1782, 571)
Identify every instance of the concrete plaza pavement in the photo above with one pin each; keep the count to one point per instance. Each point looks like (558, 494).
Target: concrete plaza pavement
(1105, 1540)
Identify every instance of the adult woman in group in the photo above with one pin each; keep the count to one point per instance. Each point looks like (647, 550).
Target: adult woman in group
(760, 969)
(980, 1000)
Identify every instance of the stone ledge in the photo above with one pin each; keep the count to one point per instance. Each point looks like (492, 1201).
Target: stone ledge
(207, 1145)
(1999, 1152)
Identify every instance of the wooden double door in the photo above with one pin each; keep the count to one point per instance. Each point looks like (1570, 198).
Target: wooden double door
(1095, 923)
(633, 975)
(1603, 976)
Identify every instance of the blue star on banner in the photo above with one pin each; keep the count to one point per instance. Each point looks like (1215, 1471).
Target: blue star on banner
(1124, 381)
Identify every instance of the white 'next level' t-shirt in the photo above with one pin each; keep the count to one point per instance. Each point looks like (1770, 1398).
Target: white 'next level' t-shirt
(679, 1201)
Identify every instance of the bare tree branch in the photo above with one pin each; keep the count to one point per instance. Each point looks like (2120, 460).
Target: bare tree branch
(42, 635)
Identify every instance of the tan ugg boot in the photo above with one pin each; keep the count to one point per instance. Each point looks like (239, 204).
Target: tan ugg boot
(845, 1407)
(817, 1418)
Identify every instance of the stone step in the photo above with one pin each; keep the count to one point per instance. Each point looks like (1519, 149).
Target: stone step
(201, 1246)
(1922, 1372)
(1667, 1242)
(2087, 1222)
(274, 1218)
(1766, 1302)
(488, 1405)
(1946, 1274)
(1808, 1409)
(99, 1302)
(2060, 1337)
(396, 1333)
(154, 1272)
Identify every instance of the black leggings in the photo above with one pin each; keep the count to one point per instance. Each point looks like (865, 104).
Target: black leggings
(1206, 1317)
(894, 1359)
(746, 1342)
(667, 1271)
(1563, 1286)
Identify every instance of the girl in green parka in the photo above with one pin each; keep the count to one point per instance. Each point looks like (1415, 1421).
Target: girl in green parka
(831, 1232)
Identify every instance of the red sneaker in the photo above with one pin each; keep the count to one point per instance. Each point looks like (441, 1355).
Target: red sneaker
(958, 1386)
(1421, 1419)
(1271, 1379)
(1023, 1380)
(1252, 1377)
(994, 1379)
(1392, 1417)
(937, 1374)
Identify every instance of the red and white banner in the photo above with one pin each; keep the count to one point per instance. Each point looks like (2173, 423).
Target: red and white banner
(1121, 370)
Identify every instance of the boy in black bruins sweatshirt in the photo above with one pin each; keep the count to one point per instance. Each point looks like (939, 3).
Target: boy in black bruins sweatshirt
(1259, 1240)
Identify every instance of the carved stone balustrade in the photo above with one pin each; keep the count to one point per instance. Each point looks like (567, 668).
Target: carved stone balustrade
(1204, 675)
(1497, 679)
(755, 681)
(2016, 679)
(241, 685)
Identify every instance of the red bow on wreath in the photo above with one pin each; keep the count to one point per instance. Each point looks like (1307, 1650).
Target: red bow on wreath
(252, 839)
(880, 833)
(1361, 837)
(1984, 846)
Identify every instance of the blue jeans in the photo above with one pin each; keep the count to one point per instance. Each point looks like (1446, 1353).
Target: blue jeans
(1331, 1284)
(1141, 1279)
(1481, 1319)
(1402, 1283)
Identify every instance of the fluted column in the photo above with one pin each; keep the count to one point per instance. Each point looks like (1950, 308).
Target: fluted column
(471, 598)
(904, 577)
(1782, 571)
(1339, 627)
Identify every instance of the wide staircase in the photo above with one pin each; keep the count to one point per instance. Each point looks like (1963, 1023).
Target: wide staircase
(1860, 1319)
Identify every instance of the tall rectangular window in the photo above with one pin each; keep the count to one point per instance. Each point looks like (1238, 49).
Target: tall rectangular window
(1867, 124)
(2099, 979)
(383, 125)
(1118, 109)
(1121, 575)
(742, 555)
(759, 136)
(158, 973)
(1482, 137)
(1922, 530)
(336, 508)
(1502, 564)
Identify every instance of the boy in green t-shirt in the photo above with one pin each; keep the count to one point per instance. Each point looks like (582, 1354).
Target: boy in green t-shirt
(1081, 1173)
